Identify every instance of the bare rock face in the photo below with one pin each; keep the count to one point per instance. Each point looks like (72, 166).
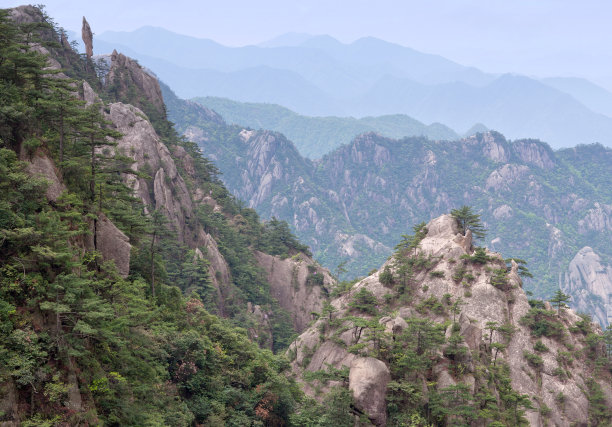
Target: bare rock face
(166, 190)
(492, 148)
(75, 401)
(368, 379)
(151, 156)
(113, 244)
(87, 36)
(89, 95)
(292, 283)
(39, 165)
(598, 218)
(534, 153)
(124, 71)
(352, 245)
(587, 277)
(26, 14)
(503, 178)
(9, 403)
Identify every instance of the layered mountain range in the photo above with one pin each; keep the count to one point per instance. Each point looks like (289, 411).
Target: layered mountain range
(135, 289)
(320, 76)
(353, 204)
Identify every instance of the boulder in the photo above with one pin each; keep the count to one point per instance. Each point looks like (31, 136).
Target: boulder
(368, 379)
(42, 166)
(113, 244)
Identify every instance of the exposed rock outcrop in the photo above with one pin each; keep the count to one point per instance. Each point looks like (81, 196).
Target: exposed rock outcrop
(113, 244)
(40, 165)
(502, 179)
(598, 218)
(368, 381)
(9, 404)
(166, 189)
(589, 282)
(298, 284)
(535, 153)
(125, 72)
(87, 36)
(484, 302)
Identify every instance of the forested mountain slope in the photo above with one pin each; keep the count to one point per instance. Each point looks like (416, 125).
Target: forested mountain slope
(125, 264)
(550, 207)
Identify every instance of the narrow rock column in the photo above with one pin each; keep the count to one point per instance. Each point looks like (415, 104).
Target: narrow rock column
(87, 36)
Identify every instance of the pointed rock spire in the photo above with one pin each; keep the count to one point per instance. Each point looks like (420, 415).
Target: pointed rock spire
(87, 36)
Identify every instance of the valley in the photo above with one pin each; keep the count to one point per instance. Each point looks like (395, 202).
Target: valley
(164, 265)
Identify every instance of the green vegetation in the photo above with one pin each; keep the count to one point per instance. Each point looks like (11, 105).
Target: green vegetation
(317, 136)
(364, 301)
(478, 257)
(559, 300)
(533, 359)
(543, 323)
(525, 208)
(540, 347)
(468, 220)
(143, 349)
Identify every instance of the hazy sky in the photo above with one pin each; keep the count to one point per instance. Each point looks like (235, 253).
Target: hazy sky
(534, 37)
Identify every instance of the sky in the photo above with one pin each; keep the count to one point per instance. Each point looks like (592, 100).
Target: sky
(539, 38)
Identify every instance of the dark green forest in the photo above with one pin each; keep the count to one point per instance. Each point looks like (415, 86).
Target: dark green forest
(79, 343)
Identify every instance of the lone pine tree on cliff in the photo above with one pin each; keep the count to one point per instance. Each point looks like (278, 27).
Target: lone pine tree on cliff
(468, 220)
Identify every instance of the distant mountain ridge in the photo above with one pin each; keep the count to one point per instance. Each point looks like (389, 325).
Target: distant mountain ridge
(316, 136)
(320, 76)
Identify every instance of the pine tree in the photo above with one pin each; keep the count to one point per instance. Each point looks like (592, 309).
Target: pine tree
(468, 220)
(60, 108)
(559, 300)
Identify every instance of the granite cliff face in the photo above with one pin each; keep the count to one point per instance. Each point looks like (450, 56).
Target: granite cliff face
(467, 308)
(166, 190)
(590, 283)
(298, 284)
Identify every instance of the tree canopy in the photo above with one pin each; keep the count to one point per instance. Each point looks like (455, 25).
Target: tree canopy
(468, 220)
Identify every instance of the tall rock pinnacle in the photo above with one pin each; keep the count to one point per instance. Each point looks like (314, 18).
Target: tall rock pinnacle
(87, 36)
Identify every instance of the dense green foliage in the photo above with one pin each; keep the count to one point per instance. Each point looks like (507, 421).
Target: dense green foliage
(468, 220)
(78, 342)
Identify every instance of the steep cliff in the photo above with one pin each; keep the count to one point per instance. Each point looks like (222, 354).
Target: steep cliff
(117, 242)
(589, 282)
(299, 285)
(453, 338)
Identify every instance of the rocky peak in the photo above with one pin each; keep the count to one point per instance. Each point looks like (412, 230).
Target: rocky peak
(26, 14)
(493, 145)
(124, 73)
(534, 152)
(87, 36)
(488, 294)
